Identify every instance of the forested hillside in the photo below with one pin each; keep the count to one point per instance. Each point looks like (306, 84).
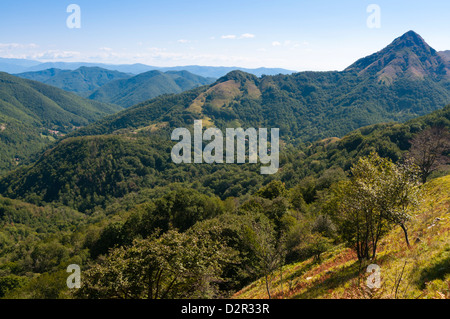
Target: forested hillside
(33, 115)
(307, 106)
(82, 81)
(353, 185)
(419, 272)
(133, 199)
(145, 86)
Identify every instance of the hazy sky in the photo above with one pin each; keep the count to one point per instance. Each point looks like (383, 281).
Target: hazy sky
(297, 35)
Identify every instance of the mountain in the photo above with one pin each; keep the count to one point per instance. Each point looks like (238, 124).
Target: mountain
(20, 66)
(402, 81)
(33, 114)
(82, 81)
(445, 54)
(305, 106)
(145, 86)
(86, 172)
(408, 56)
(109, 197)
(219, 71)
(149, 195)
(76, 65)
(115, 87)
(16, 65)
(133, 146)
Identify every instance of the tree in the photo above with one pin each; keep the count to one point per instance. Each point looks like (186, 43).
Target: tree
(360, 224)
(181, 209)
(317, 244)
(175, 265)
(429, 150)
(10, 282)
(262, 240)
(273, 190)
(399, 193)
(380, 194)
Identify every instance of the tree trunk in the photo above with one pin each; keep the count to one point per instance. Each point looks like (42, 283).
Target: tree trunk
(406, 234)
(282, 290)
(267, 286)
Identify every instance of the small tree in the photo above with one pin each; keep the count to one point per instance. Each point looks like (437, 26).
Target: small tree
(261, 238)
(175, 265)
(379, 194)
(428, 150)
(400, 193)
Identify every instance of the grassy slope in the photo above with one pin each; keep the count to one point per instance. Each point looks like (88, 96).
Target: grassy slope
(426, 266)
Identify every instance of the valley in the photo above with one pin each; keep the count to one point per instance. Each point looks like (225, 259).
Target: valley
(90, 180)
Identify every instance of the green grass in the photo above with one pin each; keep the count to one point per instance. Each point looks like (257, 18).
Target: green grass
(420, 272)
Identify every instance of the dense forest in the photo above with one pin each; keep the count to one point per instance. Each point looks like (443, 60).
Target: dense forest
(103, 201)
(363, 178)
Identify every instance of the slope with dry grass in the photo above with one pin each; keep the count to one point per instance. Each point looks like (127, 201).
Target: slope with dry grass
(420, 272)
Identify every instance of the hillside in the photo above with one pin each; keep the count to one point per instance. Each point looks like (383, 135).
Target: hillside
(106, 191)
(306, 106)
(145, 86)
(124, 89)
(33, 114)
(88, 171)
(422, 272)
(445, 54)
(409, 56)
(82, 81)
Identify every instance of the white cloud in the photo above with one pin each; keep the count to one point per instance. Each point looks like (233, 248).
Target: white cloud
(55, 54)
(247, 36)
(242, 36)
(183, 41)
(11, 46)
(230, 37)
(276, 43)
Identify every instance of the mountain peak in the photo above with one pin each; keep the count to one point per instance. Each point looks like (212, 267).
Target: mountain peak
(411, 34)
(407, 56)
(413, 40)
(239, 77)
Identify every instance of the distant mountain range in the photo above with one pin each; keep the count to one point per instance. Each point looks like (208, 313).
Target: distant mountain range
(15, 66)
(404, 80)
(147, 85)
(124, 89)
(82, 81)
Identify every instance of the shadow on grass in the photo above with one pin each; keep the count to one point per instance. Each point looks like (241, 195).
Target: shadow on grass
(335, 280)
(299, 272)
(435, 271)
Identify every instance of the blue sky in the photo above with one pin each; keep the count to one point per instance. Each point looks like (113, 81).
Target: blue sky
(297, 35)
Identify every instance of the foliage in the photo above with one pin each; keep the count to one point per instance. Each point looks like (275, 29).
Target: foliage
(418, 273)
(81, 81)
(145, 86)
(378, 194)
(33, 115)
(172, 266)
(430, 150)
